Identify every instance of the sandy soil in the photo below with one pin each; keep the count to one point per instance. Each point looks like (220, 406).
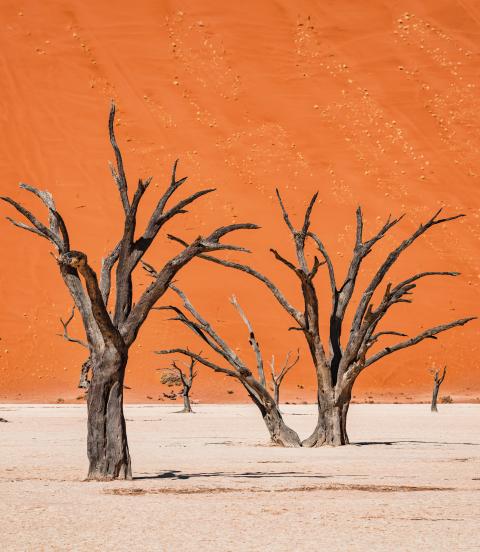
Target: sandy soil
(371, 103)
(208, 481)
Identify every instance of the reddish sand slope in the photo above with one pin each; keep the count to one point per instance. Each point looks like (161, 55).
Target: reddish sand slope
(375, 105)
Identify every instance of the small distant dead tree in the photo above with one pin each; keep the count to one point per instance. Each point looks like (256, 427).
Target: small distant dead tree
(437, 381)
(277, 379)
(174, 376)
(256, 387)
(87, 365)
(110, 336)
(338, 367)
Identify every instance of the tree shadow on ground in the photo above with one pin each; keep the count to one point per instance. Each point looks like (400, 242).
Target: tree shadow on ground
(407, 441)
(177, 474)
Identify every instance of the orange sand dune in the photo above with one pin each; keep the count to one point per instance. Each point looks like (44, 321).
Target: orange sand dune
(375, 104)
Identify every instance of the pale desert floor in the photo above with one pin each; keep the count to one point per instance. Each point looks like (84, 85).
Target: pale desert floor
(209, 482)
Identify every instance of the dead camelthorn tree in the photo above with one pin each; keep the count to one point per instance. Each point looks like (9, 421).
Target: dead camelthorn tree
(277, 378)
(339, 361)
(109, 337)
(174, 376)
(437, 381)
(256, 387)
(87, 365)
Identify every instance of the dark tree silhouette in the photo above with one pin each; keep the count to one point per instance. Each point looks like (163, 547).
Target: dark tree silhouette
(338, 367)
(277, 378)
(256, 387)
(110, 337)
(437, 381)
(174, 376)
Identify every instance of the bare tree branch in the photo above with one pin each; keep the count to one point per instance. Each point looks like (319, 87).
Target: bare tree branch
(328, 260)
(47, 199)
(220, 345)
(119, 173)
(277, 379)
(294, 313)
(363, 340)
(198, 358)
(106, 272)
(374, 338)
(66, 335)
(26, 227)
(389, 261)
(39, 226)
(252, 340)
(440, 381)
(286, 218)
(203, 330)
(157, 288)
(431, 332)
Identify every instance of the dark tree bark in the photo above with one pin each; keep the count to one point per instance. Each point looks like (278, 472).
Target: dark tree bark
(437, 381)
(107, 437)
(109, 337)
(338, 367)
(256, 387)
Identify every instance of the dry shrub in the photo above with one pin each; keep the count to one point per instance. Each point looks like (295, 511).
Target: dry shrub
(447, 399)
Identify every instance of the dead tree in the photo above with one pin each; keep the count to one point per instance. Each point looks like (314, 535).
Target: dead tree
(109, 336)
(437, 381)
(87, 365)
(277, 379)
(338, 367)
(256, 387)
(175, 376)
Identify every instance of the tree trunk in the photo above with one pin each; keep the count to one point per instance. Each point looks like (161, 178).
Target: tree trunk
(331, 429)
(280, 433)
(107, 437)
(186, 401)
(433, 407)
(276, 393)
(344, 414)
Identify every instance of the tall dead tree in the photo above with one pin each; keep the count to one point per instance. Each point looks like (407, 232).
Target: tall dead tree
(175, 376)
(338, 367)
(437, 381)
(109, 337)
(256, 386)
(277, 378)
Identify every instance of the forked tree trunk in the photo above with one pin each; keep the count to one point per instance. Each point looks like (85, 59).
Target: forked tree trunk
(107, 444)
(331, 429)
(187, 407)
